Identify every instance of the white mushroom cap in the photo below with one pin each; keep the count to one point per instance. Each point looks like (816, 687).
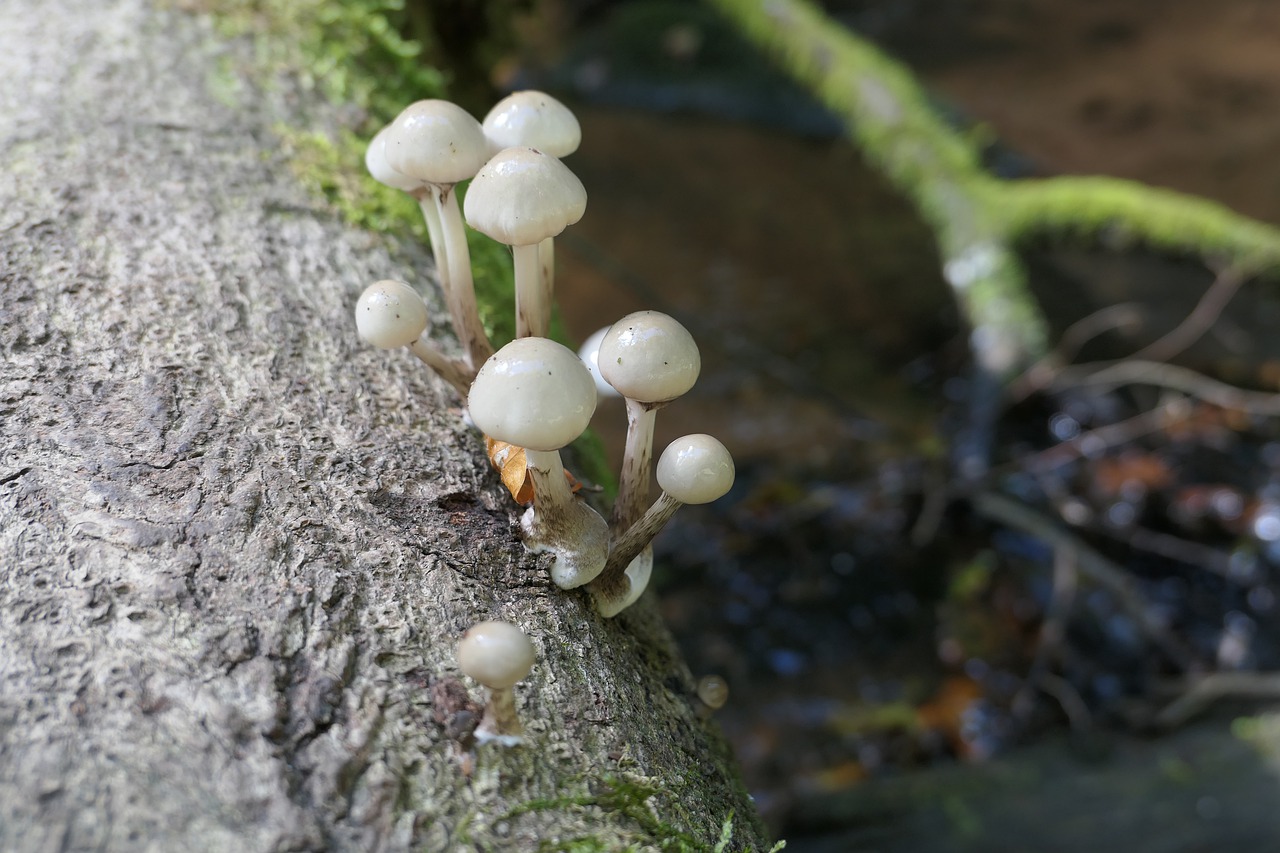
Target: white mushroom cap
(375, 160)
(522, 196)
(534, 119)
(390, 314)
(533, 393)
(436, 142)
(589, 352)
(695, 469)
(496, 654)
(648, 356)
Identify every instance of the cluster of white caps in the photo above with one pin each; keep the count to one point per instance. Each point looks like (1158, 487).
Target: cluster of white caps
(534, 394)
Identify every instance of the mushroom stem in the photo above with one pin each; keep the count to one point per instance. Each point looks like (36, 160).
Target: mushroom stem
(638, 536)
(547, 276)
(431, 215)
(550, 488)
(500, 721)
(622, 589)
(633, 480)
(532, 316)
(560, 523)
(451, 370)
(460, 294)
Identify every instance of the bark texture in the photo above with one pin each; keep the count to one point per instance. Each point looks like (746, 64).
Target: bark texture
(236, 546)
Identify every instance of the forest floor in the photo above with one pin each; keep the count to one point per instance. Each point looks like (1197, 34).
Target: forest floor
(891, 639)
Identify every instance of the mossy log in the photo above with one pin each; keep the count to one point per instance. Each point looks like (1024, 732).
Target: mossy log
(237, 547)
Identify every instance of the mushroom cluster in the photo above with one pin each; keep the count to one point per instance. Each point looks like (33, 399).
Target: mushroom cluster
(533, 396)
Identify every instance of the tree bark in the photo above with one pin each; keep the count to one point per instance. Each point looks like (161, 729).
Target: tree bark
(237, 547)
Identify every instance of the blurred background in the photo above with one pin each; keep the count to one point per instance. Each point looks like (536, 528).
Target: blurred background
(1075, 650)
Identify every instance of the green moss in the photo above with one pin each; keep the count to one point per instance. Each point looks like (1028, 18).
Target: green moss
(629, 798)
(350, 50)
(1135, 213)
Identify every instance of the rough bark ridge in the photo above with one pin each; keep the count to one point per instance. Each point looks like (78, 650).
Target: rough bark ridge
(237, 547)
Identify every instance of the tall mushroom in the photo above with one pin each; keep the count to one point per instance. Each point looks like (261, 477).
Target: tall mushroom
(533, 119)
(522, 197)
(536, 394)
(694, 469)
(650, 359)
(382, 172)
(375, 160)
(441, 144)
(497, 655)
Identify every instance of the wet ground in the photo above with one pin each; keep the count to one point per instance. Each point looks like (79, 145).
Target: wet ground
(870, 619)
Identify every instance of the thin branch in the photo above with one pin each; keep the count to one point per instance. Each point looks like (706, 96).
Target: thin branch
(977, 219)
(1177, 378)
(1203, 692)
(1091, 564)
(1041, 374)
(1052, 634)
(1199, 321)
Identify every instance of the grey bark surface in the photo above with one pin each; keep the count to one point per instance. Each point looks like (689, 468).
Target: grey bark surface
(237, 547)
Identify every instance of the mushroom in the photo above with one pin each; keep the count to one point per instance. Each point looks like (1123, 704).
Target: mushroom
(534, 119)
(391, 314)
(522, 197)
(589, 352)
(375, 160)
(713, 693)
(441, 144)
(536, 394)
(497, 655)
(695, 469)
(650, 359)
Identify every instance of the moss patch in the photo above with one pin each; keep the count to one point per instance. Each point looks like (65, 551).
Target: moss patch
(630, 798)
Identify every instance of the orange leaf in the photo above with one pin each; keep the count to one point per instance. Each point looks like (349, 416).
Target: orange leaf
(513, 468)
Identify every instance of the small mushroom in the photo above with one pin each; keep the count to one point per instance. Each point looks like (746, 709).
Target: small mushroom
(391, 314)
(441, 144)
(497, 655)
(522, 197)
(536, 394)
(695, 469)
(534, 119)
(713, 693)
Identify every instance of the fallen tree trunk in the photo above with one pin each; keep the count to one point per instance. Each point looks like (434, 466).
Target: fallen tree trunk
(237, 547)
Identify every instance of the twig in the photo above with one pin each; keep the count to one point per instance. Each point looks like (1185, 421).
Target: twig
(1199, 321)
(1110, 435)
(1179, 379)
(1091, 564)
(1040, 375)
(1046, 460)
(1052, 633)
(1068, 698)
(1211, 688)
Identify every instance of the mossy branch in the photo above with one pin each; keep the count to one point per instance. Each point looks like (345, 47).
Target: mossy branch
(978, 219)
(1132, 212)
